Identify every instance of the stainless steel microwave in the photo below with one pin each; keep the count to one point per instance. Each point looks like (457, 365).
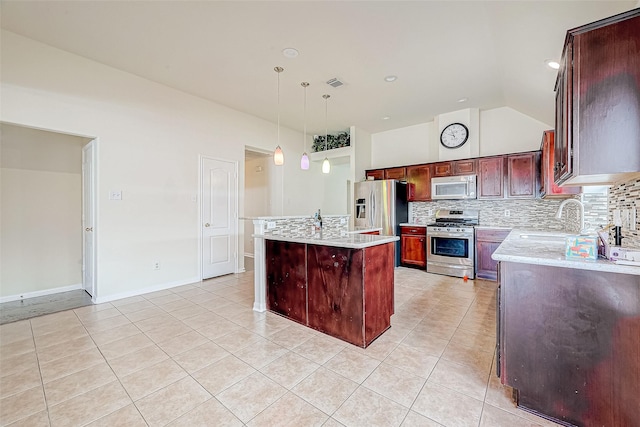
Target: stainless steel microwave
(453, 187)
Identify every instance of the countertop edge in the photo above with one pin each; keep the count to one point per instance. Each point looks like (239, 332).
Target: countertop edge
(353, 241)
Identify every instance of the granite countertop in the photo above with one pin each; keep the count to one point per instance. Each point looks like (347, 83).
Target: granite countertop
(548, 248)
(353, 241)
(406, 224)
(490, 227)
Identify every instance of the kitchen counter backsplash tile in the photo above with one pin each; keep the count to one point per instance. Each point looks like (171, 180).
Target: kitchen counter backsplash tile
(538, 214)
(301, 226)
(626, 196)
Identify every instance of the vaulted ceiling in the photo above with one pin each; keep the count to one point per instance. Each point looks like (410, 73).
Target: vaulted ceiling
(490, 52)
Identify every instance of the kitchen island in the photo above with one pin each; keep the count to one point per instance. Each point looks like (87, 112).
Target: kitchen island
(568, 332)
(339, 285)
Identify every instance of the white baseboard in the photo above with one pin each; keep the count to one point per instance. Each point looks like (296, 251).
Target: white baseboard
(154, 288)
(40, 293)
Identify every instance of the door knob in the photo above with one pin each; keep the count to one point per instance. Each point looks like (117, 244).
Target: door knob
(88, 229)
(207, 225)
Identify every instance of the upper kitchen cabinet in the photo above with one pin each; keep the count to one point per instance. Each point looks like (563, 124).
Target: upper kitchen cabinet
(598, 103)
(375, 174)
(395, 173)
(456, 167)
(522, 175)
(419, 183)
(548, 188)
(442, 169)
(491, 177)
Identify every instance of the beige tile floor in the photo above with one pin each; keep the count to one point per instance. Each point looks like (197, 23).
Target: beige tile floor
(197, 355)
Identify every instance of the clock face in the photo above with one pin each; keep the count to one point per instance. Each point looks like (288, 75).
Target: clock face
(454, 135)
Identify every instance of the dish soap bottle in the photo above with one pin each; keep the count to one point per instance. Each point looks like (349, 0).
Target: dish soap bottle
(319, 221)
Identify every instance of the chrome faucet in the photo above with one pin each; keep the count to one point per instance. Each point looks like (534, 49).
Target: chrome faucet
(580, 204)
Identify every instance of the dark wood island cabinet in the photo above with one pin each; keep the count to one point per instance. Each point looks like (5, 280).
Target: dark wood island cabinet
(345, 292)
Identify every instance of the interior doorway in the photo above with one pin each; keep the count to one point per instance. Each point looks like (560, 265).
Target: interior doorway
(42, 209)
(258, 170)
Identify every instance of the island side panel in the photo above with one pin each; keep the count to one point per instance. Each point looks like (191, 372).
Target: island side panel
(287, 279)
(378, 289)
(571, 344)
(335, 290)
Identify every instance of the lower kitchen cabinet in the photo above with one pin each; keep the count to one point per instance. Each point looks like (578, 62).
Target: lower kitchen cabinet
(487, 241)
(287, 279)
(413, 243)
(568, 343)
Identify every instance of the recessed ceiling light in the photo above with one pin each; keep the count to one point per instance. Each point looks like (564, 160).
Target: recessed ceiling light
(390, 79)
(290, 52)
(461, 100)
(552, 64)
(386, 118)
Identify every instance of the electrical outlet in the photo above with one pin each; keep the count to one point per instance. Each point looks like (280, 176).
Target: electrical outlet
(507, 212)
(343, 221)
(271, 225)
(156, 265)
(115, 195)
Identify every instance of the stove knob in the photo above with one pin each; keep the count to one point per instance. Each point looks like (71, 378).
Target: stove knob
(448, 229)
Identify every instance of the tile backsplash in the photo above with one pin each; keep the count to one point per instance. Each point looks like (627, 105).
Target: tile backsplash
(332, 226)
(531, 214)
(625, 196)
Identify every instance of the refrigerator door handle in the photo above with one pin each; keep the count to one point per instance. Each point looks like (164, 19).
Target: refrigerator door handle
(373, 209)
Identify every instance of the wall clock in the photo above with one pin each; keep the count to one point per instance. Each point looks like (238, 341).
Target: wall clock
(454, 135)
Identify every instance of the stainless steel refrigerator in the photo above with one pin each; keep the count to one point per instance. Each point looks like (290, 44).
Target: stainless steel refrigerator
(381, 204)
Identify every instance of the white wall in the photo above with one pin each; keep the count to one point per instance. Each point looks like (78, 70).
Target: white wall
(335, 191)
(150, 137)
(41, 211)
(501, 130)
(505, 130)
(404, 146)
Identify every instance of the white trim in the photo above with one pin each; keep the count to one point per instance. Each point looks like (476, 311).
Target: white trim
(93, 291)
(248, 255)
(154, 288)
(41, 293)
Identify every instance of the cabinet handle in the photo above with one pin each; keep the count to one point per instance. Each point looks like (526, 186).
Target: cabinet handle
(422, 240)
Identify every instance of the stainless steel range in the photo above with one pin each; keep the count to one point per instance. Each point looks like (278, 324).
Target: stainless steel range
(451, 243)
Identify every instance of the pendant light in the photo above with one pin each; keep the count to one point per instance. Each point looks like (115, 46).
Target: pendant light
(326, 166)
(278, 155)
(304, 161)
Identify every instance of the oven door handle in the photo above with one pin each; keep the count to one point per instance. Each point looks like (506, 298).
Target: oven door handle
(453, 235)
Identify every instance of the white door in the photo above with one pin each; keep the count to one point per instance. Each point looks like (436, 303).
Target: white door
(88, 218)
(219, 217)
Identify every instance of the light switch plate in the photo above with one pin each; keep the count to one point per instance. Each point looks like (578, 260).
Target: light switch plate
(115, 195)
(343, 221)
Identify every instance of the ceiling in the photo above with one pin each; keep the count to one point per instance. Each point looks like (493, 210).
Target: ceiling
(491, 52)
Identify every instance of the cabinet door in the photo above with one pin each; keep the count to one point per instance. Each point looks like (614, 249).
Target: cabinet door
(522, 175)
(414, 250)
(286, 279)
(395, 173)
(336, 292)
(464, 167)
(491, 178)
(564, 123)
(442, 169)
(606, 95)
(375, 173)
(419, 180)
(487, 241)
(548, 188)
